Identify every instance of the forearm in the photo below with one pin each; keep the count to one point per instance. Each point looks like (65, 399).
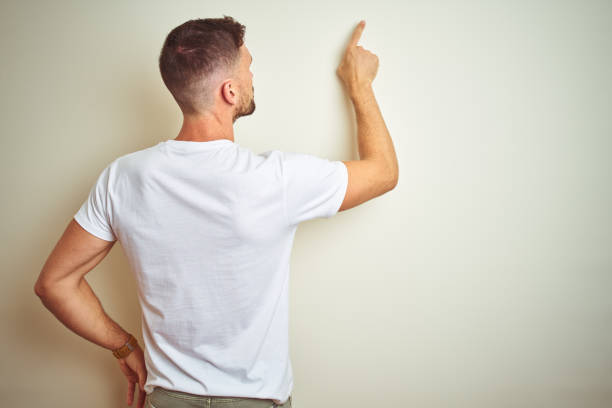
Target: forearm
(79, 309)
(373, 136)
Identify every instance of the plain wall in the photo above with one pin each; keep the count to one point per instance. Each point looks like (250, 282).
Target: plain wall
(482, 280)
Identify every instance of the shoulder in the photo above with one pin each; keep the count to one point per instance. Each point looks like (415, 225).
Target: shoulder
(291, 159)
(136, 160)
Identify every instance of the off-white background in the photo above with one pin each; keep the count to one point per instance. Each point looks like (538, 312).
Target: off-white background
(483, 280)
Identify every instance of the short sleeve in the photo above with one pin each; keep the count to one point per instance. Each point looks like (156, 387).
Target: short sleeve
(314, 186)
(93, 214)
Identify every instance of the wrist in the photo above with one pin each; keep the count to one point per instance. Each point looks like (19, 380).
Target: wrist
(358, 92)
(126, 349)
(121, 340)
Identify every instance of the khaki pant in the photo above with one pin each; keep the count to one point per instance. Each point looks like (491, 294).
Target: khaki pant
(163, 398)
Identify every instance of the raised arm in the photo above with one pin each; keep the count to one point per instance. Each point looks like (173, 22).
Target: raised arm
(377, 171)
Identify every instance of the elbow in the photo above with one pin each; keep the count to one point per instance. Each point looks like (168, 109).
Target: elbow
(39, 289)
(394, 176)
(388, 185)
(61, 289)
(393, 182)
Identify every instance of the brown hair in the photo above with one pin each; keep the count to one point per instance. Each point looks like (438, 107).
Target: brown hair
(193, 56)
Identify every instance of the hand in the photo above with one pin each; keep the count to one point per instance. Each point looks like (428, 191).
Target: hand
(135, 370)
(358, 66)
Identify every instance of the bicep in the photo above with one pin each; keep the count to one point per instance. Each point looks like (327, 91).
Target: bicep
(367, 179)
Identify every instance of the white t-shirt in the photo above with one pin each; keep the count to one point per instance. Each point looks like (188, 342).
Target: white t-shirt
(207, 228)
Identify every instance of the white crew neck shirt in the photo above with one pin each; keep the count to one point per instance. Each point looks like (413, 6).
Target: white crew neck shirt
(207, 228)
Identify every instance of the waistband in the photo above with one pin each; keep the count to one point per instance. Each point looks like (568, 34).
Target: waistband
(189, 396)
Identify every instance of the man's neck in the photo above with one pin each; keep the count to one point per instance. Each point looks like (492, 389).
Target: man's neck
(204, 128)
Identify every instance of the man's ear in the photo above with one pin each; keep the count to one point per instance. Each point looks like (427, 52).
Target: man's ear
(228, 91)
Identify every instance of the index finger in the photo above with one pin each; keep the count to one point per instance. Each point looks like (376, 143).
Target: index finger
(357, 33)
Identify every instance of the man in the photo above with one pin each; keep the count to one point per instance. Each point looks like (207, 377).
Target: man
(207, 227)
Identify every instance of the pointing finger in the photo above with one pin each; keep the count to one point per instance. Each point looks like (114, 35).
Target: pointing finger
(357, 33)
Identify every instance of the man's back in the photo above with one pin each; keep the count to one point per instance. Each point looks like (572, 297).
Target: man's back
(207, 228)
